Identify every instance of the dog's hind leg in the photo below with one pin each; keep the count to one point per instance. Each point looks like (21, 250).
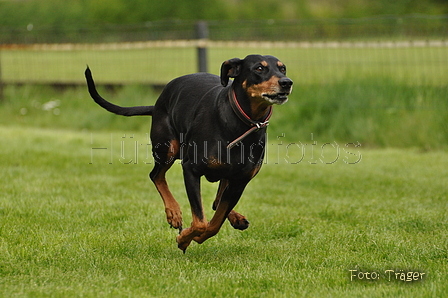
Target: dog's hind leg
(164, 160)
(237, 220)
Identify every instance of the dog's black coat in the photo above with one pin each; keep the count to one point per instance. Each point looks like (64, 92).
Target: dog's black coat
(194, 121)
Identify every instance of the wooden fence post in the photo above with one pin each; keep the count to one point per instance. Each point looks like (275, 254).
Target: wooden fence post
(1, 78)
(201, 29)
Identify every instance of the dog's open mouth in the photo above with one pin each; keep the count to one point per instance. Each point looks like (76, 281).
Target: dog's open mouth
(278, 98)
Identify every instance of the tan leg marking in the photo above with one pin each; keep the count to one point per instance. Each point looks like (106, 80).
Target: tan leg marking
(198, 227)
(172, 208)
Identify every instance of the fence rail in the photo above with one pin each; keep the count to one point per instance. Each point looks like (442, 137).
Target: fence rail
(223, 44)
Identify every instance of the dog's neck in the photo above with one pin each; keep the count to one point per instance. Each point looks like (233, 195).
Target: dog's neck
(255, 125)
(255, 108)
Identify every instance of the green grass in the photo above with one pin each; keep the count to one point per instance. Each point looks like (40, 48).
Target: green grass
(374, 112)
(72, 228)
(425, 65)
(376, 96)
(83, 222)
(129, 66)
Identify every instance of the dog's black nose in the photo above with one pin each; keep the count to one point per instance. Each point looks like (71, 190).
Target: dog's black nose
(285, 82)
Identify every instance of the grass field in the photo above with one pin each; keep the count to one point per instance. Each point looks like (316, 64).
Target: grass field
(73, 225)
(425, 65)
(82, 222)
(376, 96)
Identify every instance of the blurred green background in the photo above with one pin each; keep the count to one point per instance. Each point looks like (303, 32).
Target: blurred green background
(94, 12)
(369, 80)
(373, 72)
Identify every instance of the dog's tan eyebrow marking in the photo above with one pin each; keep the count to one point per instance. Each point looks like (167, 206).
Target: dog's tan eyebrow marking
(264, 63)
(280, 64)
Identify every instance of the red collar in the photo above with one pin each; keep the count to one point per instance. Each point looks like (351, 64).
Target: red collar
(254, 125)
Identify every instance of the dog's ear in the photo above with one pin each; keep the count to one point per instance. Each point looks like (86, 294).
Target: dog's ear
(230, 69)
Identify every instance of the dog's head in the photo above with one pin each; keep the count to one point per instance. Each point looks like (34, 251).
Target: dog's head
(262, 77)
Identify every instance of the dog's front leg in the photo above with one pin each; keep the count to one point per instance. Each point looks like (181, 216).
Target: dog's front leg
(238, 221)
(228, 201)
(199, 223)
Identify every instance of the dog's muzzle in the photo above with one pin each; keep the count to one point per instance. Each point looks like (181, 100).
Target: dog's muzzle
(281, 96)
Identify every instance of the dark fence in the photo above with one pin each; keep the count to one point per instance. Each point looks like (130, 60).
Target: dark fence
(379, 28)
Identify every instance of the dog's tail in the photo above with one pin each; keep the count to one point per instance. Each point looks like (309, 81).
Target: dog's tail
(124, 111)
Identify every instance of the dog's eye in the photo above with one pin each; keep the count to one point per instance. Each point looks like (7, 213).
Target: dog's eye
(259, 68)
(283, 69)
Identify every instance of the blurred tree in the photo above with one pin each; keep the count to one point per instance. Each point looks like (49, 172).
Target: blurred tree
(87, 12)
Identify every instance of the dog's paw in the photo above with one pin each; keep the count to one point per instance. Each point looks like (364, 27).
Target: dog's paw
(174, 218)
(238, 221)
(182, 241)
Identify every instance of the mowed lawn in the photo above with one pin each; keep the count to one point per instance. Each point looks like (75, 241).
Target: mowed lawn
(413, 65)
(82, 222)
(79, 216)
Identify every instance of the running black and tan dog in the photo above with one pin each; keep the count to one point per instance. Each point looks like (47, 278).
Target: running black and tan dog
(218, 129)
